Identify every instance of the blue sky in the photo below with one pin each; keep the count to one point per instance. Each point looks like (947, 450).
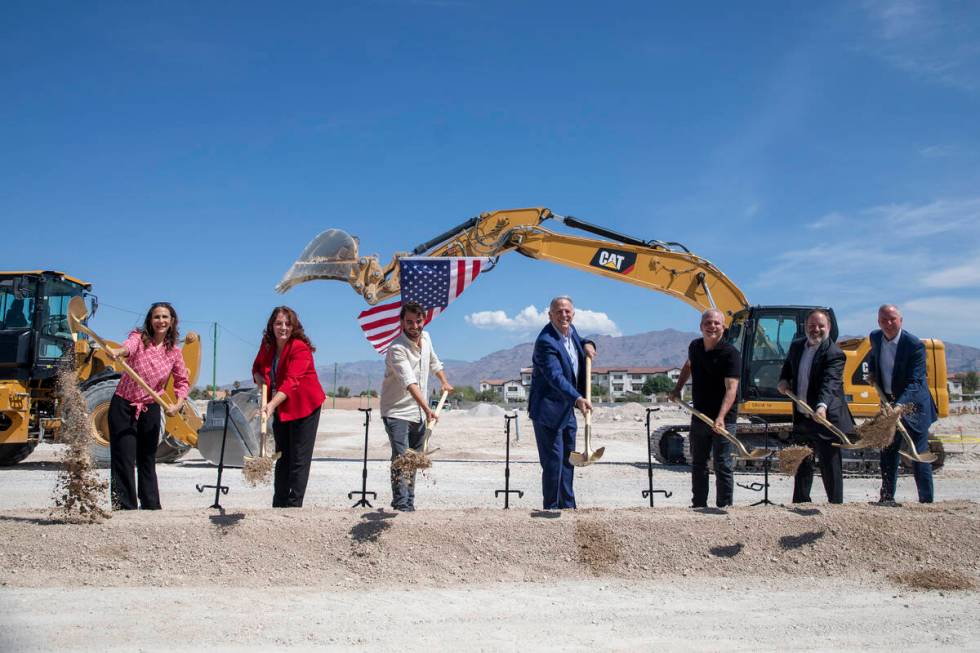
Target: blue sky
(818, 153)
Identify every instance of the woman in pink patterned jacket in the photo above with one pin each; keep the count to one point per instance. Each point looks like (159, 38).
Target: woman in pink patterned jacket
(134, 418)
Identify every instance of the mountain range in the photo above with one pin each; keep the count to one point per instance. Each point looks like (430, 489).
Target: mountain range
(666, 348)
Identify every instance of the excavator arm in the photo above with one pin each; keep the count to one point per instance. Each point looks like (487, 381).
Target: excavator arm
(662, 266)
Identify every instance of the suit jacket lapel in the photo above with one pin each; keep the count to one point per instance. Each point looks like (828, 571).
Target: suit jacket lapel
(901, 356)
(561, 349)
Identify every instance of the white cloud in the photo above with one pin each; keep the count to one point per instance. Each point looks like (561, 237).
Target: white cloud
(940, 216)
(833, 219)
(957, 276)
(931, 40)
(530, 319)
(937, 151)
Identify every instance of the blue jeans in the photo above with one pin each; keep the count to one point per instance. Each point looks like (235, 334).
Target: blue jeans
(557, 472)
(704, 444)
(922, 471)
(403, 435)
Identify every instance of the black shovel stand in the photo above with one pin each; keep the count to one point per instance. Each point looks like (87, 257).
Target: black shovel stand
(507, 491)
(650, 491)
(219, 489)
(764, 486)
(363, 492)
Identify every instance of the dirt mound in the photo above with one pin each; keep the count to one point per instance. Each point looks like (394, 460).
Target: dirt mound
(630, 412)
(486, 410)
(347, 548)
(935, 579)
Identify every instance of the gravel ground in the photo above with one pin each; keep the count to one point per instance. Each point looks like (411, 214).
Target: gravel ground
(462, 574)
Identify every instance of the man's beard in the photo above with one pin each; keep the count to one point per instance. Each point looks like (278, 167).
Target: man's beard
(813, 343)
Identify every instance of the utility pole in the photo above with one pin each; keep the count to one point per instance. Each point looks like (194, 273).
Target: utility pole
(335, 385)
(214, 364)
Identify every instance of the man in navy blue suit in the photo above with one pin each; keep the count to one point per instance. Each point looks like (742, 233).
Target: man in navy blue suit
(557, 388)
(898, 366)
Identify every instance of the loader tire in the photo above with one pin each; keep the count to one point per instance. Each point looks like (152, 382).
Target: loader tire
(11, 454)
(97, 398)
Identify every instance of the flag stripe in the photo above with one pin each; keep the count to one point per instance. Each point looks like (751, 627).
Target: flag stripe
(382, 324)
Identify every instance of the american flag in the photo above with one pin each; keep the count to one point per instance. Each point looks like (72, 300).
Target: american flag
(432, 281)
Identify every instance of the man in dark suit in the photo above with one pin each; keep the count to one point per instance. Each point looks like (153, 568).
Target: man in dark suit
(557, 388)
(898, 367)
(813, 371)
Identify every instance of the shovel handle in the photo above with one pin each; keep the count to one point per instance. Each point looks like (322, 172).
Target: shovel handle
(812, 414)
(588, 391)
(263, 422)
(125, 366)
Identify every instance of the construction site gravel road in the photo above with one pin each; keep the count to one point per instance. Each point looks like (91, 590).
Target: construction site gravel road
(462, 574)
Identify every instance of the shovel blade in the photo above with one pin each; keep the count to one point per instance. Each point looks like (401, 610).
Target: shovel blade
(578, 459)
(927, 457)
(331, 255)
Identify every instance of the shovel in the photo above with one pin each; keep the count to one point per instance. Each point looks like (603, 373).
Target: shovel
(916, 457)
(588, 456)
(431, 425)
(263, 431)
(845, 442)
(757, 453)
(76, 313)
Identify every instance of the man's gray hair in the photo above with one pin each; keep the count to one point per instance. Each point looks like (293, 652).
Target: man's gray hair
(560, 298)
(886, 307)
(711, 311)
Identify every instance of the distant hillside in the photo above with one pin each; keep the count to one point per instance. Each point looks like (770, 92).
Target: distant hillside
(651, 349)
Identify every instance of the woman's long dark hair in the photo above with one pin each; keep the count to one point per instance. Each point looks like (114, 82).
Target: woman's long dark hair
(172, 336)
(269, 336)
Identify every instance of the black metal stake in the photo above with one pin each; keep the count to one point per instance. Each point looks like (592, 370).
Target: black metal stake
(507, 491)
(650, 492)
(764, 486)
(219, 489)
(363, 502)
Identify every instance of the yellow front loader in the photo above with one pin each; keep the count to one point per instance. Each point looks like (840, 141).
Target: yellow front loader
(35, 340)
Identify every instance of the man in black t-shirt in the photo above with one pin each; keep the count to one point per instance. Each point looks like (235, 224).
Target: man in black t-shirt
(714, 368)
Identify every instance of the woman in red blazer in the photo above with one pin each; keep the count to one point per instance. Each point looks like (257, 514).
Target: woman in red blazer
(285, 364)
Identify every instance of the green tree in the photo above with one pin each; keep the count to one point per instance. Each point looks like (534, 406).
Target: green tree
(970, 382)
(343, 391)
(658, 383)
(464, 393)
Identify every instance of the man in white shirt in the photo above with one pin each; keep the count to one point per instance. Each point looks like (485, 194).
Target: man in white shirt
(404, 408)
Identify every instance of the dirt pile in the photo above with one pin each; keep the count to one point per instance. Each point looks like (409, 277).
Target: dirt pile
(486, 410)
(404, 466)
(79, 493)
(347, 548)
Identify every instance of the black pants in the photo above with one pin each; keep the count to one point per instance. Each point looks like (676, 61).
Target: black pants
(294, 440)
(704, 444)
(829, 460)
(133, 444)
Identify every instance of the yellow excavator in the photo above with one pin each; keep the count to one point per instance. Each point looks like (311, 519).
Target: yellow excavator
(35, 341)
(761, 333)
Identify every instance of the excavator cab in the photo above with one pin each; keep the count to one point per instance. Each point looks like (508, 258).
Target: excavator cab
(763, 336)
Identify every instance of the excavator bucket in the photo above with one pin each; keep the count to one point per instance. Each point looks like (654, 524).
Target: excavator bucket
(331, 255)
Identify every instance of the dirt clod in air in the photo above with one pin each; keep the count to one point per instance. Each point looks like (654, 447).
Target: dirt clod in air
(934, 579)
(879, 431)
(258, 470)
(598, 547)
(791, 458)
(79, 492)
(403, 467)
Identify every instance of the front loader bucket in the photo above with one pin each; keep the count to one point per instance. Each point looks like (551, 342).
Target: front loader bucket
(331, 255)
